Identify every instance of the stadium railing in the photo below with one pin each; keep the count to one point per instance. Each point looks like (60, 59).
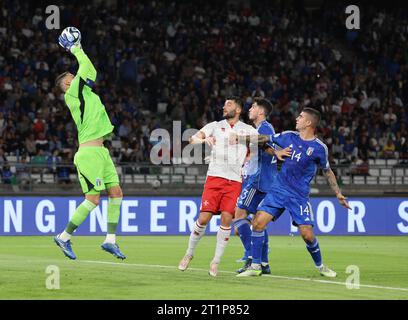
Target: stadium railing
(29, 175)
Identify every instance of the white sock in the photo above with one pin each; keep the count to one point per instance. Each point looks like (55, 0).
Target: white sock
(195, 236)
(256, 266)
(110, 238)
(64, 236)
(223, 236)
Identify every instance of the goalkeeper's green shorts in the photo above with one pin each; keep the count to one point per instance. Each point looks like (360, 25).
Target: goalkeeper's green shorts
(96, 171)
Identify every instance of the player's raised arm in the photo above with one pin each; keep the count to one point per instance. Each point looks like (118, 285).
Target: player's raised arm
(70, 40)
(86, 69)
(247, 139)
(204, 135)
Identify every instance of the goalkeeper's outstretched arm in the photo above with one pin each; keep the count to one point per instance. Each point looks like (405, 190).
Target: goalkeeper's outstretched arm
(86, 69)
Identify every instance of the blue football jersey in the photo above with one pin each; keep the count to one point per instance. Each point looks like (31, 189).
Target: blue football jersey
(265, 171)
(298, 170)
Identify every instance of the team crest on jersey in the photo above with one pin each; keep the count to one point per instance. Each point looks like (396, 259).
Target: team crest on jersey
(98, 182)
(309, 151)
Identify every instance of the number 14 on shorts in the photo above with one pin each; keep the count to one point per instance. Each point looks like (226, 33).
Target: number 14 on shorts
(306, 210)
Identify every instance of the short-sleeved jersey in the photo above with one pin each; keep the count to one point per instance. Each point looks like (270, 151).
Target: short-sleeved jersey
(262, 169)
(226, 160)
(87, 110)
(298, 170)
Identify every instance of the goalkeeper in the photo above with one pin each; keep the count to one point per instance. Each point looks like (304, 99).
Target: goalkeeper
(95, 167)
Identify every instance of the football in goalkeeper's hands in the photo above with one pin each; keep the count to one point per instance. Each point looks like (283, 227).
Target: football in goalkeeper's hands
(72, 34)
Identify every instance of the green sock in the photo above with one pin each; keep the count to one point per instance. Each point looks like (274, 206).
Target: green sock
(79, 215)
(113, 214)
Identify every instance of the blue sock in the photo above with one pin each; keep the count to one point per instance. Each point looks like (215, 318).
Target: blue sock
(244, 231)
(265, 248)
(314, 251)
(257, 243)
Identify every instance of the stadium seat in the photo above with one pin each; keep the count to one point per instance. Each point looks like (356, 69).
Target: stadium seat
(127, 178)
(165, 179)
(386, 172)
(321, 180)
(380, 162)
(358, 180)
(180, 170)
(151, 177)
(399, 180)
(392, 162)
(399, 172)
(36, 177)
(384, 180)
(372, 180)
(346, 179)
(176, 178)
(139, 178)
(371, 162)
(165, 170)
(48, 178)
(190, 179)
(201, 179)
(374, 172)
(11, 158)
(192, 171)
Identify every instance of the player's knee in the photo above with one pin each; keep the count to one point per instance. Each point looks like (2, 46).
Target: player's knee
(308, 236)
(116, 193)
(257, 225)
(226, 221)
(240, 214)
(204, 218)
(93, 199)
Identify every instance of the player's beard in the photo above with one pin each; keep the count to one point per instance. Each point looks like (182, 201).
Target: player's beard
(230, 115)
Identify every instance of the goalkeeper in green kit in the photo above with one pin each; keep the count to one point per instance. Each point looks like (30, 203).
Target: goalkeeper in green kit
(96, 171)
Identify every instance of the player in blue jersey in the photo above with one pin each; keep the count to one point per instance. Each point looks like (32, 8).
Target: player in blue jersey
(260, 172)
(291, 187)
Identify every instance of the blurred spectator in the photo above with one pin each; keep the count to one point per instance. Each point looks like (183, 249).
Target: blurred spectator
(390, 118)
(6, 174)
(350, 150)
(389, 149)
(23, 171)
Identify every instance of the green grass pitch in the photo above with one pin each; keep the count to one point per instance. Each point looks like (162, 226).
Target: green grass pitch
(150, 271)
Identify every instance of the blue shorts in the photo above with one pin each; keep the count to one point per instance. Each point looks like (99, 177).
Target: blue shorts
(250, 198)
(275, 203)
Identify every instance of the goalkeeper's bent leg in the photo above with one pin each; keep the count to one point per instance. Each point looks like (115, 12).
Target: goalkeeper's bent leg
(78, 217)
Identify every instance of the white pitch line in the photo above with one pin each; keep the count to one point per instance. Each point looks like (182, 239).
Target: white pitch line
(230, 272)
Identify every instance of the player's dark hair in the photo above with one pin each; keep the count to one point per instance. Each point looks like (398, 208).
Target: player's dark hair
(237, 100)
(264, 104)
(315, 115)
(58, 80)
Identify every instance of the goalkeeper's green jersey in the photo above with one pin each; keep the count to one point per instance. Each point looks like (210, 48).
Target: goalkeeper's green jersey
(87, 110)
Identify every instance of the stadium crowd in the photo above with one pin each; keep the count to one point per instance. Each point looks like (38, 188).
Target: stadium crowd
(158, 62)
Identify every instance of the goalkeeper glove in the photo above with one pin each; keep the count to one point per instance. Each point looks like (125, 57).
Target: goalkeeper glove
(67, 44)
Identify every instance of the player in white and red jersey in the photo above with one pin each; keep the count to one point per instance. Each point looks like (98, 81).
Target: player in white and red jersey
(223, 183)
